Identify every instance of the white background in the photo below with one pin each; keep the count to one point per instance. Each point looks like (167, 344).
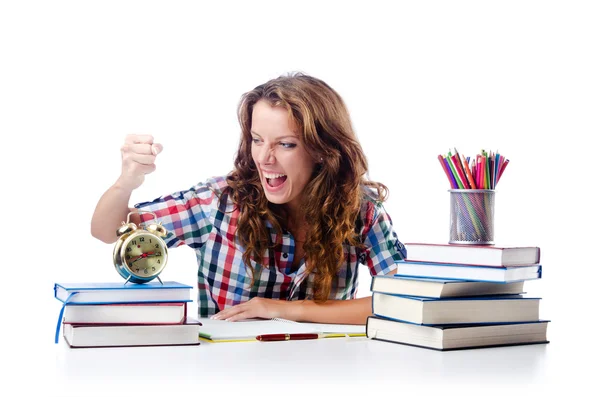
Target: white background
(518, 77)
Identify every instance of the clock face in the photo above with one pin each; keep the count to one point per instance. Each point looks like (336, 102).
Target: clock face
(144, 254)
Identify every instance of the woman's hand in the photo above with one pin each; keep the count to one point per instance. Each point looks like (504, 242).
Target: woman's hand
(138, 154)
(258, 308)
(349, 311)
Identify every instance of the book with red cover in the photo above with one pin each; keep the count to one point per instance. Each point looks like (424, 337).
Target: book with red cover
(129, 335)
(479, 255)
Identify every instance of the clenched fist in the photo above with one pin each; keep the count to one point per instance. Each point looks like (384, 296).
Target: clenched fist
(138, 154)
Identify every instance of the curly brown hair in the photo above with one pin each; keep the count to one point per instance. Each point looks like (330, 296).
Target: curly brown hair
(331, 200)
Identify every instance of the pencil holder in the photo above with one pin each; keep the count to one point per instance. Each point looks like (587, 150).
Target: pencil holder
(472, 216)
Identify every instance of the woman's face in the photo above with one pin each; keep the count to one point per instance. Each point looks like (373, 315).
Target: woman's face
(283, 164)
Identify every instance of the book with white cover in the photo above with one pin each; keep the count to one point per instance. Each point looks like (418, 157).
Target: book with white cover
(468, 272)
(481, 309)
(481, 255)
(454, 337)
(126, 313)
(128, 335)
(441, 288)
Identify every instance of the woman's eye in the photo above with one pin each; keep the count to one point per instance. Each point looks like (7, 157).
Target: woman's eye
(287, 145)
(255, 140)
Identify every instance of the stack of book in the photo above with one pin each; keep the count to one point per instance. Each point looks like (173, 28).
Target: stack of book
(449, 297)
(118, 314)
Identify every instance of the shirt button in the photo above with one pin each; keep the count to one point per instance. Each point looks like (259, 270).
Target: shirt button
(285, 255)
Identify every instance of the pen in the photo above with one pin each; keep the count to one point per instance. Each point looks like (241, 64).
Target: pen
(282, 337)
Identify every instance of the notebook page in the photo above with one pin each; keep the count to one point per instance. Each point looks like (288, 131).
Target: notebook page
(339, 328)
(330, 328)
(250, 329)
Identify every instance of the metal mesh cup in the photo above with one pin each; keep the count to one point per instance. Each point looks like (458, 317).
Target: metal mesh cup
(472, 216)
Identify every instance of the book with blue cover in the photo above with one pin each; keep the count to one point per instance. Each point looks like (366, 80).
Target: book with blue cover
(467, 310)
(119, 292)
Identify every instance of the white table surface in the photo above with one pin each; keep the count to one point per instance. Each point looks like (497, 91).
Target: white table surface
(345, 366)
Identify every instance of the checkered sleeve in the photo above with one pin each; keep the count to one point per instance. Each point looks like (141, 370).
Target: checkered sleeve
(187, 215)
(383, 248)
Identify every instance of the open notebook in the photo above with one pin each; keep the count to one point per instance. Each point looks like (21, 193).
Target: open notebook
(248, 330)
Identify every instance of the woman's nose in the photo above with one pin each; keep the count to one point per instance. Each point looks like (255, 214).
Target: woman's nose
(266, 155)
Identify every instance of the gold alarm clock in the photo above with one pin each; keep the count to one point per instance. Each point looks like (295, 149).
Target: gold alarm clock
(140, 254)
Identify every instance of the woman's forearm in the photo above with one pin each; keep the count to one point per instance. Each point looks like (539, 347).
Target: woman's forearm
(111, 210)
(351, 311)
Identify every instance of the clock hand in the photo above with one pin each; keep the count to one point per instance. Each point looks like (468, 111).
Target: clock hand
(144, 255)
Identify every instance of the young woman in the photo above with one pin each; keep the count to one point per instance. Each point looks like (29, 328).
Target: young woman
(283, 234)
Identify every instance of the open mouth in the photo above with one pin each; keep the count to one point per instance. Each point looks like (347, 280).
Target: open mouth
(275, 180)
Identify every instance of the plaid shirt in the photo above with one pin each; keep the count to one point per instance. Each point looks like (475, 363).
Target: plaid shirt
(205, 218)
